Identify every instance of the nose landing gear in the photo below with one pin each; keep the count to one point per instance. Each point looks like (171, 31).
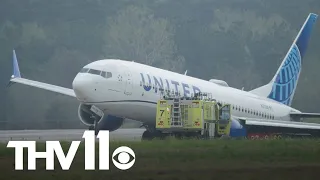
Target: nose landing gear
(96, 115)
(95, 125)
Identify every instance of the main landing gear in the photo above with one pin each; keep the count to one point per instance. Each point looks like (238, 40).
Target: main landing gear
(151, 133)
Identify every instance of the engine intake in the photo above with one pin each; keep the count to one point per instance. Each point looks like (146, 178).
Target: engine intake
(85, 115)
(106, 122)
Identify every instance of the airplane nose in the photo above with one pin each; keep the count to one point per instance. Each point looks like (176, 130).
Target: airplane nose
(80, 88)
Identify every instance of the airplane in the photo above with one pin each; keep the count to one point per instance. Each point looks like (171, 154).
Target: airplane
(111, 90)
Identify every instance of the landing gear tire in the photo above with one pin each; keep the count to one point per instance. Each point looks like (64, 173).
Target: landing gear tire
(147, 135)
(150, 135)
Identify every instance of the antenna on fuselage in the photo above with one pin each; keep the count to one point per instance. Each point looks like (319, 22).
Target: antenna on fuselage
(185, 73)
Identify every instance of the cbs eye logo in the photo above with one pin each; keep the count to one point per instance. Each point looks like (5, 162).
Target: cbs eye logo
(123, 158)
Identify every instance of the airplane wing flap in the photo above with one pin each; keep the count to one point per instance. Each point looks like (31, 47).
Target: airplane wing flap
(49, 87)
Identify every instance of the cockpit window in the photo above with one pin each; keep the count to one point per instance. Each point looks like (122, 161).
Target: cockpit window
(106, 74)
(93, 71)
(109, 75)
(84, 70)
(96, 72)
(103, 74)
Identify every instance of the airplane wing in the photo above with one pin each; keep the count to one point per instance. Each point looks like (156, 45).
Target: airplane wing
(281, 124)
(305, 115)
(16, 78)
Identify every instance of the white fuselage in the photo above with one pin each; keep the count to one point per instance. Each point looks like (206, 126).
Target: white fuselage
(126, 94)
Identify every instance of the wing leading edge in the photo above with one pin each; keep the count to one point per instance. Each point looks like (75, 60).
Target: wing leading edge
(16, 78)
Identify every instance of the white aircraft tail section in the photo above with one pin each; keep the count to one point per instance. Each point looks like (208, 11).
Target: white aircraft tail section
(283, 85)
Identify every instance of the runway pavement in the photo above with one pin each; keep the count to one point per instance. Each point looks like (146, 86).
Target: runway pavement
(66, 135)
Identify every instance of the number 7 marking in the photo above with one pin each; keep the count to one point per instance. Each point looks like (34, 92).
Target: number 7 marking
(161, 112)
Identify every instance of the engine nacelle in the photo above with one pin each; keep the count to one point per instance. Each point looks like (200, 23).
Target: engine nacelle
(237, 129)
(219, 82)
(106, 122)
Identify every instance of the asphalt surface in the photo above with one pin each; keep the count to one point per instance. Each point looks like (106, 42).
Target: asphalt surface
(66, 135)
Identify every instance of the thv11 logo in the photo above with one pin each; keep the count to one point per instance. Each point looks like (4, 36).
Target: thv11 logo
(125, 156)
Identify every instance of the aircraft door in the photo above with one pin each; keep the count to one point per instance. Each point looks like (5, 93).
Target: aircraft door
(225, 112)
(129, 82)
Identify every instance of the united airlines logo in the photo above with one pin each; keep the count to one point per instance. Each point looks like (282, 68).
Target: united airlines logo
(159, 84)
(287, 79)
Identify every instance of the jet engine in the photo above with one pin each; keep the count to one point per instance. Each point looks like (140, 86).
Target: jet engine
(237, 129)
(106, 122)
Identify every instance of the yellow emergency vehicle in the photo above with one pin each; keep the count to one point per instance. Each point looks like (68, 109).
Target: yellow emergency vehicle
(199, 115)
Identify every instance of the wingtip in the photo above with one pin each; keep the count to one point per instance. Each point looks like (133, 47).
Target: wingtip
(314, 16)
(16, 70)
